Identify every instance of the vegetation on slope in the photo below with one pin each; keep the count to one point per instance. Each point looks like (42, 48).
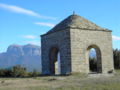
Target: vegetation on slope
(18, 71)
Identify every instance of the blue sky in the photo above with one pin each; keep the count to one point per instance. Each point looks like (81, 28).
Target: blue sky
(22, 21)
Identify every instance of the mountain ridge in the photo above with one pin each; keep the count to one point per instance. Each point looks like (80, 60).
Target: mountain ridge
(26, 55)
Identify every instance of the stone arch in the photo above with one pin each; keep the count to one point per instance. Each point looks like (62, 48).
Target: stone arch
(98, 58)
(53, 58)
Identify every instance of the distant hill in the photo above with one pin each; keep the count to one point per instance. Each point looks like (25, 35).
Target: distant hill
(28, 56)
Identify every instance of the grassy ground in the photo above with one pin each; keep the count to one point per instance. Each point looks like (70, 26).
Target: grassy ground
(73, 82)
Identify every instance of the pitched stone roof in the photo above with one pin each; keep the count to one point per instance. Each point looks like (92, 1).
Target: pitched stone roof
(75, 21)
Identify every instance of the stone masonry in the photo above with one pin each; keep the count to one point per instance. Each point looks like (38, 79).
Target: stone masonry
(73, 38)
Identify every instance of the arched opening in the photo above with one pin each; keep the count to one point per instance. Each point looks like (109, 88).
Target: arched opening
(92, 60)
(55, 61)
(95, 62)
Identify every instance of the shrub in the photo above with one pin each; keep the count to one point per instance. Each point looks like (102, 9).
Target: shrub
(93, 64)
(18, 71)
(5, 73)
(34, 73)
(116, 56)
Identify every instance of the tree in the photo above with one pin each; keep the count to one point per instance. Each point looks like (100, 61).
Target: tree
(18, 71)
(93, 64)
(116, 56)
(34, 73)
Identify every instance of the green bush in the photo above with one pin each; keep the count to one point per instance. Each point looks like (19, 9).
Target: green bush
(93, 64)
(18, 71)
(34, 73)
(116, 56)
(5, 73)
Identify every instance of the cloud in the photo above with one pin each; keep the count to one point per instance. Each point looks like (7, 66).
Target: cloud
(116, 38)
(29, 36)
(20, 10)
(45, 24)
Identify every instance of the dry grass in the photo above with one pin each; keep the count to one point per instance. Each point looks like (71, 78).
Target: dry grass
(74, 82)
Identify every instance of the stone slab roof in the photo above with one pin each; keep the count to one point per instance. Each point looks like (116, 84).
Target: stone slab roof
(75, 21)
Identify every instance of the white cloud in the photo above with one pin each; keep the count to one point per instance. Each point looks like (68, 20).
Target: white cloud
(116, 38)
(29, 36)
(45, 24)
(20, 10)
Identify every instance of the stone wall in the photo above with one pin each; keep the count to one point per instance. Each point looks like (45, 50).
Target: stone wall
(81, 40)
(60, 40)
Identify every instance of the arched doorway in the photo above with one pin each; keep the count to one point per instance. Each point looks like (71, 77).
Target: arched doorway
(55, 61)
(94, 58)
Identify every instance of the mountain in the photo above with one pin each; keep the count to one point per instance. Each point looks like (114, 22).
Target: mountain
(28, 56)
